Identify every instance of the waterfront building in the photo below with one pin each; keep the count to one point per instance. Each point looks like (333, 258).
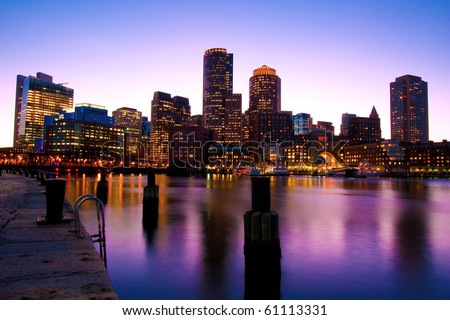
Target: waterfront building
(166, 112)
(429, 159)
(40, 97)
(86, 136)
(345, 123)
(362, 129)
(217, 84)
(265, 98)
(409, 109)
(302, 123)
(386, 156)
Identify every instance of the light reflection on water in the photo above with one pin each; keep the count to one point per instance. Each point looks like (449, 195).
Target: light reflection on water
(340, 238)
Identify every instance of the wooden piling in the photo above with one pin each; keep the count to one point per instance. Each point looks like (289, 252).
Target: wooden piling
(262, 245)
(150, 205)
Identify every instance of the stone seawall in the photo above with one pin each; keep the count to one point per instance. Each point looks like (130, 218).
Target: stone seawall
(44, 261)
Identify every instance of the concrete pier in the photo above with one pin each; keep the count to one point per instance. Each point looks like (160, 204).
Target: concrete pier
(46, 262)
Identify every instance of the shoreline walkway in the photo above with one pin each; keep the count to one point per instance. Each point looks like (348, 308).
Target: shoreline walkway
(45, 262)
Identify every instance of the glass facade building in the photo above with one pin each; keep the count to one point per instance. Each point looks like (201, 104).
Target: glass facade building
(217, 84)
(409, 109)
(84, 137)
(302, 123)
(40, 97)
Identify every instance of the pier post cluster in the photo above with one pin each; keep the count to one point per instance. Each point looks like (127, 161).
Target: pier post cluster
(262, 245)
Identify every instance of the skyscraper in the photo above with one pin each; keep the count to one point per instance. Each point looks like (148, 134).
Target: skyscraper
(409, 109)
(233, 118)
(265, 90)
(166, 113)
(40, 97)
(18, 108)
(217, 84)
(131, 120)
(265, 98)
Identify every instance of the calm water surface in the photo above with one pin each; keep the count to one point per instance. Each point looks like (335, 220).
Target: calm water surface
(340, 238)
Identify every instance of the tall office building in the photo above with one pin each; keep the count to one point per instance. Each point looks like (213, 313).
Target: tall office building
(130, 119)
(166, 113)
(302, 123)
(40, 97)
(409, 109)
(265, 90)
(18, 107)
(233, 119)
(182, 110)
(265, 98)
(217, 84)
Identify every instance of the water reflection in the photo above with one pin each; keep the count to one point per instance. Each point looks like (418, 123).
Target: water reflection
(340, 238)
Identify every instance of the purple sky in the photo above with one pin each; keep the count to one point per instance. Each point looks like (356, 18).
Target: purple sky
(332, 56)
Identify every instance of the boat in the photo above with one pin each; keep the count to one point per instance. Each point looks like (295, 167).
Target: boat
(255, 172)
(279, 170)
(367, 170)
(241, 171)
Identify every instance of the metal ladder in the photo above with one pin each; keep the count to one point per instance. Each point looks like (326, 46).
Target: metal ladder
(100, 236)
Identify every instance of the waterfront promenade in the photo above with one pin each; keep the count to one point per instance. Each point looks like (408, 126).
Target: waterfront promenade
(44, 261)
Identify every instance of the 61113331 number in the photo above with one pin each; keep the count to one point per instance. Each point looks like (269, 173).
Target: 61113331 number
(295, 310)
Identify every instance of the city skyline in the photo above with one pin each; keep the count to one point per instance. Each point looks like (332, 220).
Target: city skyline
(332, 58)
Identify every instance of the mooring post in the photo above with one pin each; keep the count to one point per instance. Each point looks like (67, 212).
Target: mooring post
(150, 205)
(102, 187)
(55, 191)
(262, 245)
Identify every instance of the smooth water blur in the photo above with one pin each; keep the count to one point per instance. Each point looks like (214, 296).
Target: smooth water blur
(340, 238)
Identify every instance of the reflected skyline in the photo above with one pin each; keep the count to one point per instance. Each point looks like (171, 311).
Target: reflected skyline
(340, 238)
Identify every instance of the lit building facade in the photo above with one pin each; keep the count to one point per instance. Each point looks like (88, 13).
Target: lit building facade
(84, 137)
(18, 108)
(165, 114)
(40, 97)
(386, 156)
(363, 130)
(302, 123)
(428, 159)
(182, 110)
(233, 119)
(264, 99)
(131, 120)
(409, 109)
(217, 84)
